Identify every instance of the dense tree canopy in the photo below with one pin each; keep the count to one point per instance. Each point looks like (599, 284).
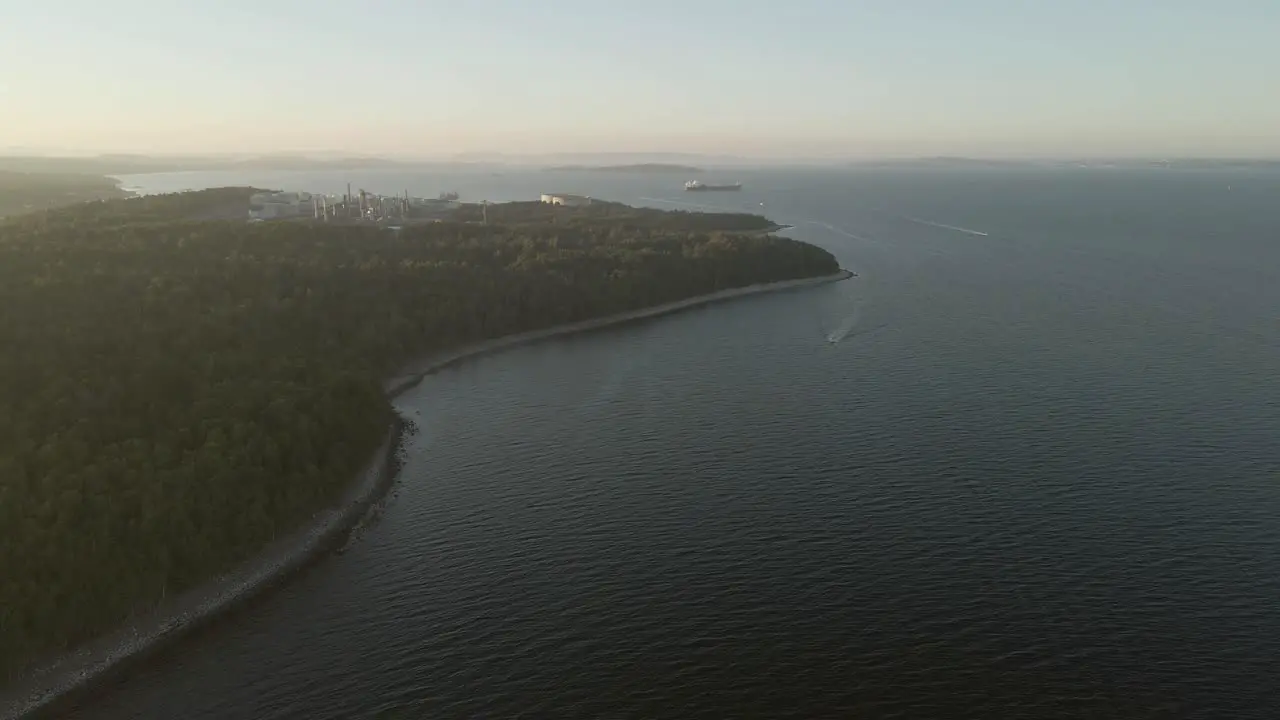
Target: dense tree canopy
(219, 203)
(174, 394)
(617, 214)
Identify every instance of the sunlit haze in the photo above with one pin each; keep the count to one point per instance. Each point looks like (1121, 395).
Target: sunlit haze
(425, 78)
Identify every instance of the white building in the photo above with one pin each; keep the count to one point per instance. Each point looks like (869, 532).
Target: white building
(565, 199)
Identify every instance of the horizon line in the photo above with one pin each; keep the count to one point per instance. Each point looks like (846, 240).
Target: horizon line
(480, 156)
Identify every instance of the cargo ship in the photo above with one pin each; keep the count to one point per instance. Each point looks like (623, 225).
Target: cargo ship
(698, 185)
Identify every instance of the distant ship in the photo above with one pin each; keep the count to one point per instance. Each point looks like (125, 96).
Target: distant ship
(698, 185)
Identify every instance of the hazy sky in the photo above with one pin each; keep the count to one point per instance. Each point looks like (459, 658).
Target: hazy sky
(757, 77)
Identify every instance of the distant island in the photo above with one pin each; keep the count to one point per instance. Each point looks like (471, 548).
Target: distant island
(639, 168)
(182, 392)
(963, 163)
(601, 158)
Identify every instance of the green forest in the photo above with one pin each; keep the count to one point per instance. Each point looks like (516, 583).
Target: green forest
(175, 393)
(619, 216)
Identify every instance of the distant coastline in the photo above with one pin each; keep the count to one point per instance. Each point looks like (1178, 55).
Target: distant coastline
(26, 191)
(1101, 163)
(637, 163)
(144, 164)
(639, 168)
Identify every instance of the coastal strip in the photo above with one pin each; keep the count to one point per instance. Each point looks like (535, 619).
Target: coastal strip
(411, 375)
(766, 231)
(80, 670)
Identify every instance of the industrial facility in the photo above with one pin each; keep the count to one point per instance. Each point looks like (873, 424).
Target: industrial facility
(271, 206)
(350, 207)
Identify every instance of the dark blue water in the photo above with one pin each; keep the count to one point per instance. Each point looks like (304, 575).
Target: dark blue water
(1038, 476)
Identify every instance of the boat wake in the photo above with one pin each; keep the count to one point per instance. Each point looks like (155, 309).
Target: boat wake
(845, 327)
(944, 226)
(843, 334)
(838, 231)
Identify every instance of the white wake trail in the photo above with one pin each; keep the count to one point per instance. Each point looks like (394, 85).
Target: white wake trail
(944, 226)
(845, 327)
(837, 231)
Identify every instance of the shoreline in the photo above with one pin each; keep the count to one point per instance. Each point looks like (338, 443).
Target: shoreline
(78, 671)
(413, 373)
(766, 231)
(126, 192)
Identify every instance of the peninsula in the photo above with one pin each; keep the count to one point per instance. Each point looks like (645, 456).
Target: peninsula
(179, 393)
(22, 192)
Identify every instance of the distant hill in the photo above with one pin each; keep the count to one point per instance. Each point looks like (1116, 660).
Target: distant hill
(137, 164)
(293, 162)
(640, 168)
(588, 159)
(1205, 163)
(1109, 163)
(940, 162)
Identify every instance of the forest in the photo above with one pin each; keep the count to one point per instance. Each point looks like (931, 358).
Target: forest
(22, 192)
(622, 217)
(176, 393)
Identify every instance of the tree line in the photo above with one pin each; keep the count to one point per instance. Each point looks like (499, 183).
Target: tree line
(175, 394)
(617, 214)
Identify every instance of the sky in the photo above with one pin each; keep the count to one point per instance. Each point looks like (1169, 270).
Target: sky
(757, 78)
